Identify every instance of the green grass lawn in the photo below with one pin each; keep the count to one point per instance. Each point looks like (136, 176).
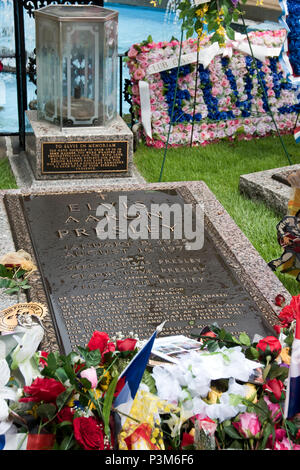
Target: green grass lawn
(7, 180)
(220, 166)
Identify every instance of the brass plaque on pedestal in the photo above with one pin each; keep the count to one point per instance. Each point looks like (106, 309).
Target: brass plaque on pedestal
(84, 157)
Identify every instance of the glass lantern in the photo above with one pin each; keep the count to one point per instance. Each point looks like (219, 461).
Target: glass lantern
(77, 60)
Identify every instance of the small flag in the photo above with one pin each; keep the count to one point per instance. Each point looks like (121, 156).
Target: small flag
(132, 376)
(297, 134)
(23, 441)
(292, 401)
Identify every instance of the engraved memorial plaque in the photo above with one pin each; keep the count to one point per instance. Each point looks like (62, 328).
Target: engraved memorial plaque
(127, 284)
(84, 157)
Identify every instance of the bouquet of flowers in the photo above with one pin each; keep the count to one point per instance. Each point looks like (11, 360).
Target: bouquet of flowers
(66, 402)
(233, 394)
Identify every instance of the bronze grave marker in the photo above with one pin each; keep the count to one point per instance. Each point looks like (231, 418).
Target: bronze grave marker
(128, 285)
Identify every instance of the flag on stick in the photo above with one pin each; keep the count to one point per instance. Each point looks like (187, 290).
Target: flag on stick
(132, 376)
(292, 401)
(297, 134)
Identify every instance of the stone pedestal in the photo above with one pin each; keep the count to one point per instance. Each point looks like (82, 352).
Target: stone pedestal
(79, 152)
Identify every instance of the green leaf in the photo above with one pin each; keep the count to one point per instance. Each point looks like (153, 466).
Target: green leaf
(231, 432)
(64, 397)
(61, 375)
(108, 399)
(244, 339)
(51, 361)
(4, 272)
(46, 410)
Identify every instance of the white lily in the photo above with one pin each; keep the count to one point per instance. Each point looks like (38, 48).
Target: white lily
(6, 393)
(22, 355)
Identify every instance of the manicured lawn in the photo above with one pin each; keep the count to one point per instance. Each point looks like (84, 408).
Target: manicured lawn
(7, 180)
(220, 166)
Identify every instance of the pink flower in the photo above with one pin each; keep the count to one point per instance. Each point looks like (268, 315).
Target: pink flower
(205, 423)
(274, 408)
(91, 375)
(132, 52)
(139, 74)
(248, 425)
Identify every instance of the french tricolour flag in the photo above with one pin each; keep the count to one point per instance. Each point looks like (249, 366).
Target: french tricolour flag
(292, 401)
(23, 441)
(132, 375)
(297, 134)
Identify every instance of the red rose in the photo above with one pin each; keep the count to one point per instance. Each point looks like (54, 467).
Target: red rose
(279, 300)
(89, 433)
(99, 341)
(43, 357)
(268, 346)
(126, 344)
(209, 334)
(274, 388)
(43, 389)
(289, 312)
(187, 440)
(110, 347)
(65, 414)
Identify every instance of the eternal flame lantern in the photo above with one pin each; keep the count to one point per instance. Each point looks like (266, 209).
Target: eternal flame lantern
(77, 53)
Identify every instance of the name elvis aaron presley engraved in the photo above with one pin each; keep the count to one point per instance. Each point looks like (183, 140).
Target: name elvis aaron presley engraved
(84, 157)
(125, 284)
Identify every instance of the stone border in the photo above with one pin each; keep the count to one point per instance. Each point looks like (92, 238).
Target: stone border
(261, 186)
(262, 284)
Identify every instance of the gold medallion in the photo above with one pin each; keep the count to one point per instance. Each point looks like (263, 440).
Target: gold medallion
(23, 314)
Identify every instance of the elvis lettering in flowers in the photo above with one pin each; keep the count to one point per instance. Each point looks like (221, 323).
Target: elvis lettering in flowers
(225, 100)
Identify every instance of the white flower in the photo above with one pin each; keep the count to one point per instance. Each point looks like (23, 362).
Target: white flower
(6, 393)
(22, 355)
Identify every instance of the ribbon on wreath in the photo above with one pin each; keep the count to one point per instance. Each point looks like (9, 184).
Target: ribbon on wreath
(204, 57)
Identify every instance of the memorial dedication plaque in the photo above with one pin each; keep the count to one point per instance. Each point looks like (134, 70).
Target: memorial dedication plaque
(84, 157)
(129, 284)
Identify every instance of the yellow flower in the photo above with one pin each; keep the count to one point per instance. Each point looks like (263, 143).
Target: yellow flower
(105, 381)
(17, 259)
(251, 392)
(259, 3)
(213, 396)
(96, 395)
(285, 356)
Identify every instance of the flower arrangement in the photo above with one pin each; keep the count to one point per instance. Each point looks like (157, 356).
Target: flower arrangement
(222, 403)
(212, 16)
(291, 54)
(225, 100)
(229, 395)
(68, 398)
